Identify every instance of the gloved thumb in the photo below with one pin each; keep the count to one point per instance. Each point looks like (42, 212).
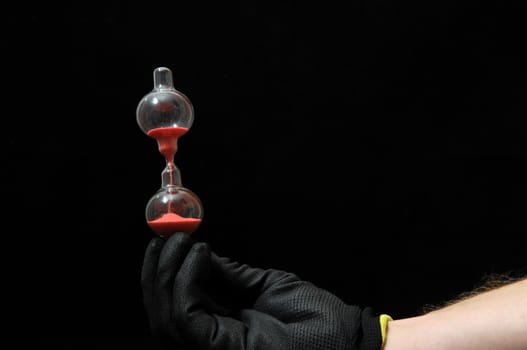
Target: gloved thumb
(244, 282)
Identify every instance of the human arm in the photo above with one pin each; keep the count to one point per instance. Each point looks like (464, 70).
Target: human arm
(197, 300)
(492, 319)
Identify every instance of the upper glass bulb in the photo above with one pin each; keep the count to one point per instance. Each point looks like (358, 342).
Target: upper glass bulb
(164, 106)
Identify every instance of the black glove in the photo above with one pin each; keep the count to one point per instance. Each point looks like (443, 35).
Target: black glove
(197, 300)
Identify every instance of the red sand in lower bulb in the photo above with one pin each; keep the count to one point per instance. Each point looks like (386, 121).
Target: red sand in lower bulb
(170, 223)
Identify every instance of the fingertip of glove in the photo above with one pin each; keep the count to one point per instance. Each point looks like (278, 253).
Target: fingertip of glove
(179, 239)
(156, 242)
(196, 264)
(201, 248)
(220, 260)
(155, 245)
(175, 249)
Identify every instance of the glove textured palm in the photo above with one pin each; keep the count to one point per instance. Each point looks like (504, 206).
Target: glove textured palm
(195, 299)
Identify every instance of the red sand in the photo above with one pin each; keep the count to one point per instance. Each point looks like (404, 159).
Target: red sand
(170, 223)
(167, 139)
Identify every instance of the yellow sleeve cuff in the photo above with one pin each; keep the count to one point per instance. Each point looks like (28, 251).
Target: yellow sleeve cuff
(384, 319)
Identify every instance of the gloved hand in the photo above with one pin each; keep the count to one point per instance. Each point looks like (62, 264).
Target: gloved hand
(195, 299)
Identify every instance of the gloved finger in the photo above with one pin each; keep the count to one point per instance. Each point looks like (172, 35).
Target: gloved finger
(194, 311)
(149, 268)
(200, 280)
(171, 258)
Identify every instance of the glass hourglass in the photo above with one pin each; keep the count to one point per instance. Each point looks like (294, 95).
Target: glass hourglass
(165, 115)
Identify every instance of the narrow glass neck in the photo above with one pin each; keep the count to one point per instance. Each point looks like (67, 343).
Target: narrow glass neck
(171, 175)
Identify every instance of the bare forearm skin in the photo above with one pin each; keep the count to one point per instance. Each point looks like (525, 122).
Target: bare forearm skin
(492, 320)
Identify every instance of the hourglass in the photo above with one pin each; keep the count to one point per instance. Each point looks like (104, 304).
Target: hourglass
(165, 115)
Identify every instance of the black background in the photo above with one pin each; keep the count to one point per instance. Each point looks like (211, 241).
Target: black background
(375, 148)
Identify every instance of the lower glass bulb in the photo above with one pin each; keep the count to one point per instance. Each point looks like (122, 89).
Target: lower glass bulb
(173, 209)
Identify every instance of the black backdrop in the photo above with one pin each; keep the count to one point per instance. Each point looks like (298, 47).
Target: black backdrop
(374, 148)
